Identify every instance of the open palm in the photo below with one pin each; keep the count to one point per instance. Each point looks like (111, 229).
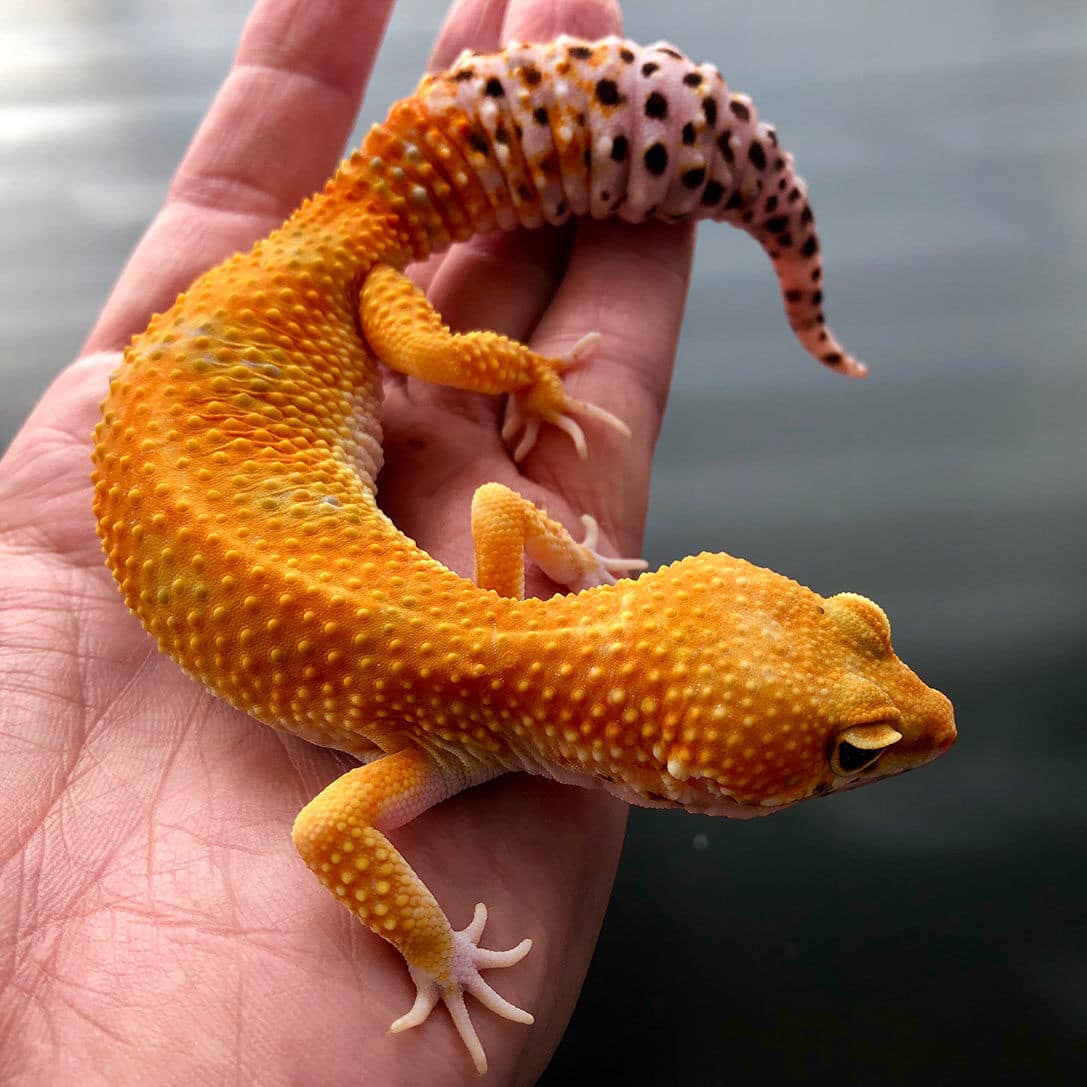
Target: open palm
(156, 923)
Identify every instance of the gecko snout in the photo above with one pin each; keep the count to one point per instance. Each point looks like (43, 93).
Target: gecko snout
(927, 726)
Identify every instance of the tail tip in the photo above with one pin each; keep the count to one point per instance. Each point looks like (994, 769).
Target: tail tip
(844, 364)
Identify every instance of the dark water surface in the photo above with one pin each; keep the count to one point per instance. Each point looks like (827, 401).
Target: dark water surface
(928, 932)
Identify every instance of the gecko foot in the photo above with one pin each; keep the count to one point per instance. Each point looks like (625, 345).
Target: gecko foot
(547, 402)
(464, 977)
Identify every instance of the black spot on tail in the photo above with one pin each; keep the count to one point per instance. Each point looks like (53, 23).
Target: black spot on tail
(693, 178)
(712, 193)
(656, 106)
(607, 92)
(656, 159)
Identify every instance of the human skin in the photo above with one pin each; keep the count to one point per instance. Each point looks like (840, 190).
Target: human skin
(157, 925)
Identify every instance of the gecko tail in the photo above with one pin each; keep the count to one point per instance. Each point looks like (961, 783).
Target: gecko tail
(605, 128)
(770, 202)
(794, 252)
(804, 310)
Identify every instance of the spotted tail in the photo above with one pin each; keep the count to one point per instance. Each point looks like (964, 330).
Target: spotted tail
(536, 134)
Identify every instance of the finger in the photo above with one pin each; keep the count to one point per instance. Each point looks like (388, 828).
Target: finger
(542, 20)
(521, 270)
(501, 281)
(273, 134)
(470, 24)
(629, 283)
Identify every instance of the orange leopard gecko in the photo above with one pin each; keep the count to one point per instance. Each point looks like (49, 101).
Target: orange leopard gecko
(235, 494)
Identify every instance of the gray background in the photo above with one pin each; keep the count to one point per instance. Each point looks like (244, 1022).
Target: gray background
(928, 931)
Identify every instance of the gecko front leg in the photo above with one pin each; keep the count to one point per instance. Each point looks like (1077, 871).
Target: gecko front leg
(507, 527)
(340, 836)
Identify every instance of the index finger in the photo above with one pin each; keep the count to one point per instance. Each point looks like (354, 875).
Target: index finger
(629, 283)
(274, 132)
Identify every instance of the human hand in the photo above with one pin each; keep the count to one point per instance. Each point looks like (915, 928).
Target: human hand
(158, 923)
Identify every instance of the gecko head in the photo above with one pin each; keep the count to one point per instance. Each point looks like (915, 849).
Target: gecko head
(886, 720)
(871, 717)
(823, 705)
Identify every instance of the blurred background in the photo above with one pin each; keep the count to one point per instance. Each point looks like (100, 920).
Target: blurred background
(930, 931)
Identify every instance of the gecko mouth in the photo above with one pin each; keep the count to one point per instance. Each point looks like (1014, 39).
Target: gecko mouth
(705, 796)
(880, 771)
(698, 795)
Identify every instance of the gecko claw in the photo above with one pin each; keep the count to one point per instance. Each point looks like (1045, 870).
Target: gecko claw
(611, 565)
(571, 428)
(579, 351)
(595, 411)
(425, 999)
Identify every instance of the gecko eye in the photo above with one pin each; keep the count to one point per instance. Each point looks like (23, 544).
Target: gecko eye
(860, 747)
(848, 759)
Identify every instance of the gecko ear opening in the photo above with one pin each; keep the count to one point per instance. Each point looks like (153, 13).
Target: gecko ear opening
(860, 747)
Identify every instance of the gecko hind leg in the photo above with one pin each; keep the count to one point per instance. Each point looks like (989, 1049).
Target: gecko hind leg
(405, 331)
